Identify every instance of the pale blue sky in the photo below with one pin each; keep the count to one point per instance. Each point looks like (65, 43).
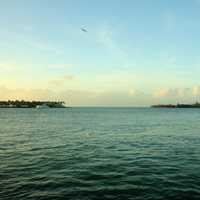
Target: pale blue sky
(146, 51)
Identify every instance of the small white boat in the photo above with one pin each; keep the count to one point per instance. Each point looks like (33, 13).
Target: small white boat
(42, 106)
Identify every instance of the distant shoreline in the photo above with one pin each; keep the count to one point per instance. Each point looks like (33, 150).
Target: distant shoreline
(196, 105)
(32, 104)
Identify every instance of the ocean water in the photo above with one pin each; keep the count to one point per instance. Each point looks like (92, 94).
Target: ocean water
(99, 153)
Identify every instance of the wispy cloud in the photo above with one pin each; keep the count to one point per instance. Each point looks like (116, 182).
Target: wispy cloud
(61, 80)
(26, 94)
(26, 37)
(60, 66)
(43, 46)
(107, 37)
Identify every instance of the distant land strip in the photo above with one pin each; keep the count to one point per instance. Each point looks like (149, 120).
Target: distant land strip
(196, 105)
(32, 104)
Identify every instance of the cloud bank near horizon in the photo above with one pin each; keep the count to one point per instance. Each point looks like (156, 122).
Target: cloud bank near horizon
(105, 98)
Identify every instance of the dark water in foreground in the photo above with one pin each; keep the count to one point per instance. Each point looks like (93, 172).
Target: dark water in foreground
(99, 153)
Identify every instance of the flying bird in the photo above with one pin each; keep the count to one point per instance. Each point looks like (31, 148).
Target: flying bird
(84, 30)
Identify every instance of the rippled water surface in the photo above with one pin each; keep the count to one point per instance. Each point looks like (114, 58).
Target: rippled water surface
(99, 153)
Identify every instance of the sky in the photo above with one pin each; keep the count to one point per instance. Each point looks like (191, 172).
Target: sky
(134, 53)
